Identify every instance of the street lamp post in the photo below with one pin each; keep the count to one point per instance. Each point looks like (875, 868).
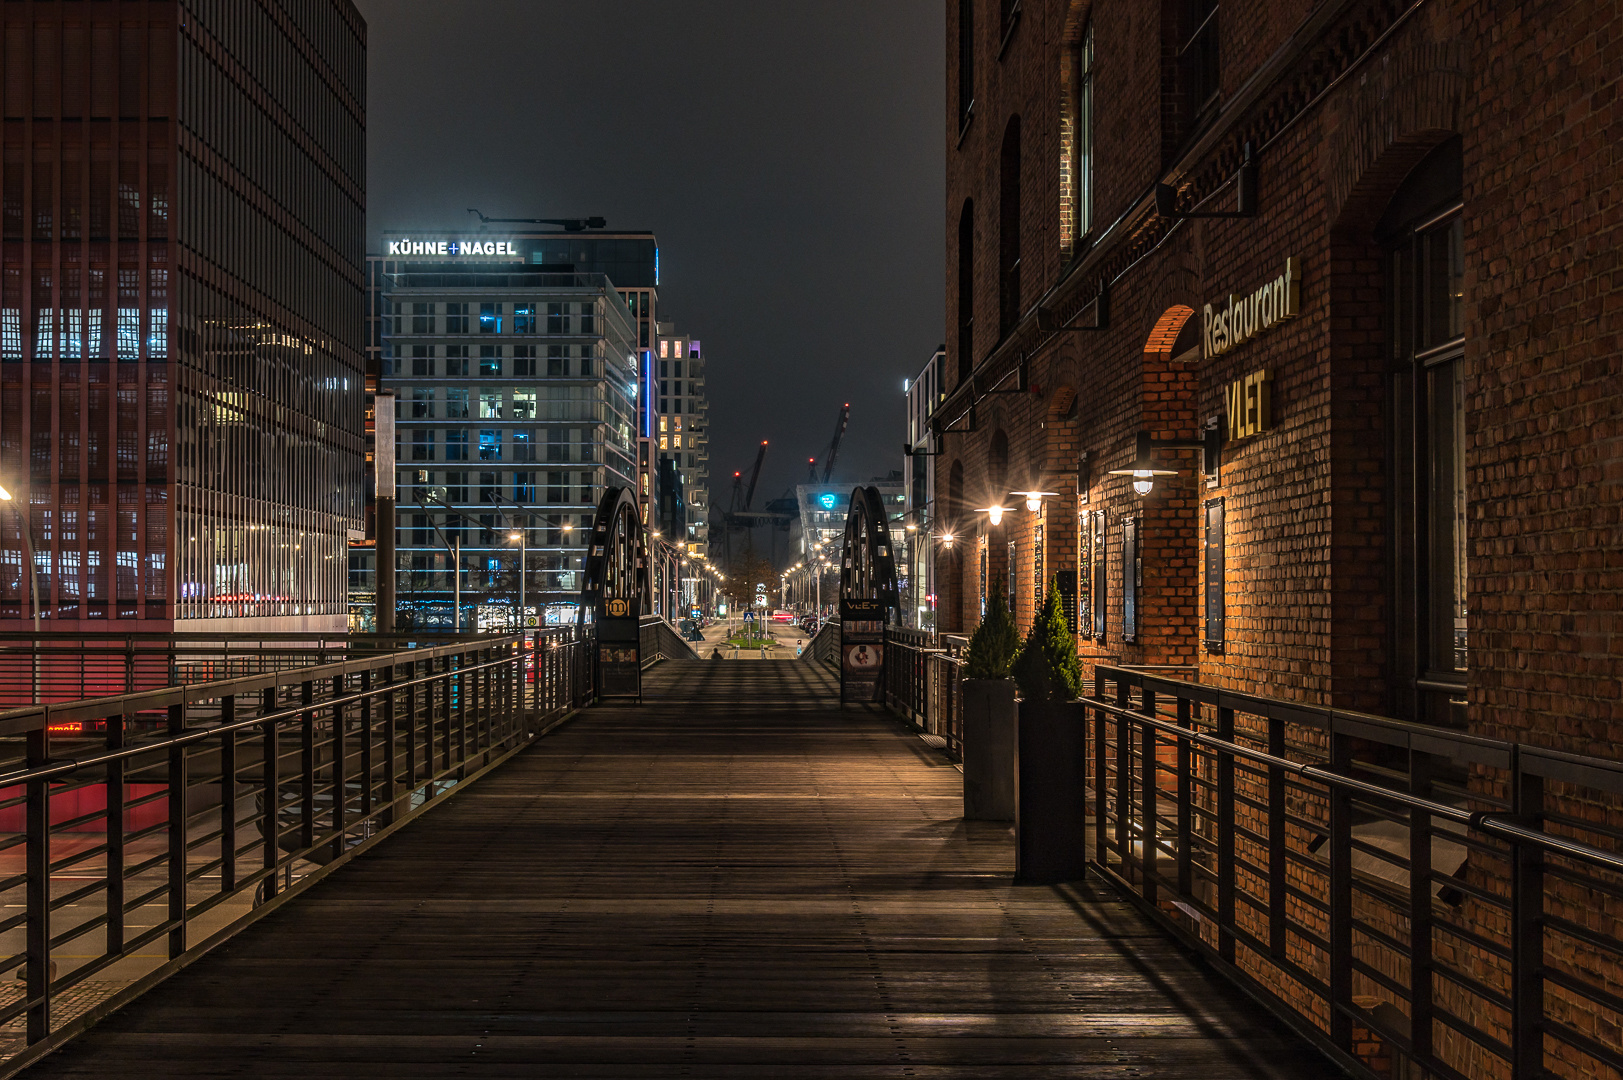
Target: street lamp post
(518, 534)
(27, 530)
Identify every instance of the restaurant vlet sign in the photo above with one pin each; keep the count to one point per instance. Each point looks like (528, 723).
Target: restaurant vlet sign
(1222, 328)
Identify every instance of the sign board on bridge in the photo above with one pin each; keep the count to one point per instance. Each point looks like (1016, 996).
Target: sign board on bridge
(862, 610)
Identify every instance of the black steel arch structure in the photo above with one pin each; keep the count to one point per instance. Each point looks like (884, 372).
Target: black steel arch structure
(869, 597)
(868, 562)
(616, 568)
(615, 589)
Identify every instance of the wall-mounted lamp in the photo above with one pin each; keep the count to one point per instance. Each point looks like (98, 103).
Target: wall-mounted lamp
(1144, 472)
(1034, 499)
(946, 539)
(994, 514)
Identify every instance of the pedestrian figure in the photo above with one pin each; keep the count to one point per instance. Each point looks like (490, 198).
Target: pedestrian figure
(717, 654)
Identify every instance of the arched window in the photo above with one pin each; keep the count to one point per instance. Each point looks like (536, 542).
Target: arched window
(966, 290)
(1008, 230)
(1424, 235)
(1076, 135)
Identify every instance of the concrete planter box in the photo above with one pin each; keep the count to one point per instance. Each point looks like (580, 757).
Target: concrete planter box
(1051, 822)
(988, 749)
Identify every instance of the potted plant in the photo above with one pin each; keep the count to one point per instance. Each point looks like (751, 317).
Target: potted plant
(989, 715)
(1050, 753)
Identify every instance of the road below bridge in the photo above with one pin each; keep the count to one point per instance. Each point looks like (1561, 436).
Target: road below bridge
(735, 879)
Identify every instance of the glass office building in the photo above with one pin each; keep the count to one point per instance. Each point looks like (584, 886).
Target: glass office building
(683, 441)
(181, 383)
(515, 364)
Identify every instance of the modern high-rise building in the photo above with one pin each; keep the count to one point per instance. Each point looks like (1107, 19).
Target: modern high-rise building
(915, 563)
(684, 439)
(181, 385)
(516, 369)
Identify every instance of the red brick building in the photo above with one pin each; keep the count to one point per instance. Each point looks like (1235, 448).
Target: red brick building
(1422, 519)
(1372, 244)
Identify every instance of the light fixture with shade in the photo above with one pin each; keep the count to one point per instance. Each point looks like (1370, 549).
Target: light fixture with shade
(1034, 499)
(1143, 470)
(994, 514)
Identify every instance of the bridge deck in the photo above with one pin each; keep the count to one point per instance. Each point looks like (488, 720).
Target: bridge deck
(736, 879)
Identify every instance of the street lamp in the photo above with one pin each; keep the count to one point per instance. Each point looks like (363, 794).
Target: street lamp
(993, 513)
(28, 553)
(1034, 499)
(523, 548)
(27, 530)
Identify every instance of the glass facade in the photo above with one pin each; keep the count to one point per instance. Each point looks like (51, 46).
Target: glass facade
(181, 385)
(516, 406)
(683, 439)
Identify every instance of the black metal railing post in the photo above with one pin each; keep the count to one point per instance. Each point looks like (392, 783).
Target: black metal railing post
(115, 834)
(367, 734)
(270, 784)
(1340, 931)
(1100, 831)
(177, 833)
(1420, 915)
(391, 765)
(1225, 837)
(1186, 813)
(228, 794)
(1124, 777)
(339, 771)
(1148, 812)
(1278, 874)
(307, 766)
(1527, 931)
(37, 894)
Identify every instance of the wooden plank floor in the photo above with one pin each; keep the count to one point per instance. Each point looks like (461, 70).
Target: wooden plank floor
(734, 880)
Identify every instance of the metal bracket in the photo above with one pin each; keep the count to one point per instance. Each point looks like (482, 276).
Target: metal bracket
(1047, 323)
(1244, 179)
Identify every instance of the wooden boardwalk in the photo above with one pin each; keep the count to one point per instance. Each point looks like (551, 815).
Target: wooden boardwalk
(734, 880)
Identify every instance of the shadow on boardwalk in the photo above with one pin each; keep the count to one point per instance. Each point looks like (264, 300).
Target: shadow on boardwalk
(735, 879)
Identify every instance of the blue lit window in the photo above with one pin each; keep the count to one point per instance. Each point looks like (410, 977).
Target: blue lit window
(490, 318)
(490, 445)
(524, 319)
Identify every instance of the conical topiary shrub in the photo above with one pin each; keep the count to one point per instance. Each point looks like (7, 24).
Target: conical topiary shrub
(993, 646)
(1047, 668)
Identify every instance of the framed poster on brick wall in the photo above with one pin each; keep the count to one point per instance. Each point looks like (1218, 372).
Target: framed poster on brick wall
(1100, 587)
(980, 545)
(1083, 625)
(1214, 576)
(1013, 594)
(1130, 565)
(1039, 572)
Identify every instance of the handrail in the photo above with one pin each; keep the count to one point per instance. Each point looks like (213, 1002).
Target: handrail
(1326, 859)
(289, 774)
(1482, 821)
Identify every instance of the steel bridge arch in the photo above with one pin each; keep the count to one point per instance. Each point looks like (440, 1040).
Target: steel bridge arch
(868, 562)
(615, 582)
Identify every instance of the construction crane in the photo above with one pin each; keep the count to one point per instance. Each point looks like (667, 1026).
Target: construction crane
(834, 446)
(755, 475)
(811, 470)
(735, 505)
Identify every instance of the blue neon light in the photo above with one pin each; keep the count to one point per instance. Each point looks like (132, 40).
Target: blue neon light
(647, 393)
(828, 501)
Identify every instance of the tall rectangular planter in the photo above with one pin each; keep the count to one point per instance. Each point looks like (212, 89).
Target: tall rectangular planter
(988, 749)
(1050, 793)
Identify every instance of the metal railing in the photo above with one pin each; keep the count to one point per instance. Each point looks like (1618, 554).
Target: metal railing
(137, 830)
(824, 647)
(1453, 902)
(64, 666)
(922, 676)
(662, 641)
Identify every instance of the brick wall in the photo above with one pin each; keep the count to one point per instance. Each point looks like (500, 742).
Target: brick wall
(1338, 115)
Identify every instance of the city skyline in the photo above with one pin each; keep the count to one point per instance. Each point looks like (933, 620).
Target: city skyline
(789, 216)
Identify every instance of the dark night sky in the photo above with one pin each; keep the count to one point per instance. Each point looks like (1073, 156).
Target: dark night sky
(787, 155)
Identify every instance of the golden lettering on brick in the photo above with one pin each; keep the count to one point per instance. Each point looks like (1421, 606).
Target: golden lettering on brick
(1249, 404)
(1244, 317)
